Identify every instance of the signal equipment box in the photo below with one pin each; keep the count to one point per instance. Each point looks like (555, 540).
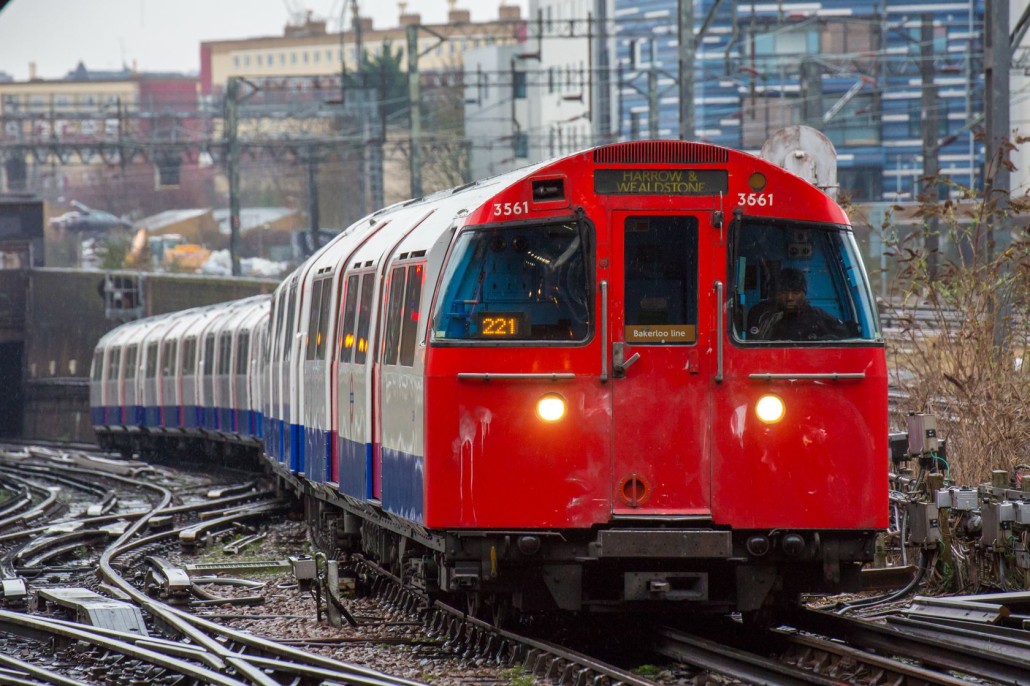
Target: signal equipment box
(922, 434)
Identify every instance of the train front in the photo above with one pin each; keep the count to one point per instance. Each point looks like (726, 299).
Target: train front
(655, 378)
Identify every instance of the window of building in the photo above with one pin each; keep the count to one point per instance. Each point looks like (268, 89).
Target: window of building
(857, 121)
(787, 42)
(521, 144)
(293, 58)
(246, 60)
(519, 84)
(764, 115)
(236, 61)
(641, 53)
(861, 184)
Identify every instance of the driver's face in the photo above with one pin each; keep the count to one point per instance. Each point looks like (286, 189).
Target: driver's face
(790, 300)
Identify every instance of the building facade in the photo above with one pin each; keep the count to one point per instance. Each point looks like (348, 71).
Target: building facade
(853, 69)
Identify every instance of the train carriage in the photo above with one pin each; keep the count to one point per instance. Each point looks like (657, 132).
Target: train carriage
(645, 376)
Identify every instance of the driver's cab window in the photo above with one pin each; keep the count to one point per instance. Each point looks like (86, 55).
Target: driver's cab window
(517, 284)
(795, 282)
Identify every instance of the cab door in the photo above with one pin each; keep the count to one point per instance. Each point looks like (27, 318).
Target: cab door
(661, 371)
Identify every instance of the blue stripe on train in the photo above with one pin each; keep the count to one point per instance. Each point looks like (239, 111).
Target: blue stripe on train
(355, 467)
(296, 448)
(317, 451)
(171, 416)
(403, 483)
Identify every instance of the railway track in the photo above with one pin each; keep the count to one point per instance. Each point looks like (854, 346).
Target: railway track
(143, 521)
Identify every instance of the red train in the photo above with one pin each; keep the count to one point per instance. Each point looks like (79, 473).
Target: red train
(646, 376)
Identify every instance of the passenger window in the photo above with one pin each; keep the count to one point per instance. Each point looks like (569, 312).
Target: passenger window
(800, 283)
(98, 365)
(393, 317)
(660, 272)
(322, 335)
(242, 352)
(189, 356)
(209, 354)
(349, 315)
(130, 362)
(409, 327)
(168, 364)
(114, 359)
(364, 318)
(151, 360)
(290, 329)
(224, 351)
(528, 283)
(311, 337)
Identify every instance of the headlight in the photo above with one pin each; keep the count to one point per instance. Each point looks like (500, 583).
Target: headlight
(770, 409)
(551, 407)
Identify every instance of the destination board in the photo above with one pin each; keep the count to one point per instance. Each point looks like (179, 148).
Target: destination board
(660, 181)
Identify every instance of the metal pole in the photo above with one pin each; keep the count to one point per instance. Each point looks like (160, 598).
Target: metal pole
(652, 102)
(313, 215)
(931, 168)
(686, 67)
(232, 145)
(997, 58)
(603, 92)
(415, 109)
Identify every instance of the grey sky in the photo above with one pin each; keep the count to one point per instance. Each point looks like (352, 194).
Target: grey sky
(165, 35)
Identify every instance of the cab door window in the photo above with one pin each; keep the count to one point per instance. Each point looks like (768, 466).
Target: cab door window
(660, 272)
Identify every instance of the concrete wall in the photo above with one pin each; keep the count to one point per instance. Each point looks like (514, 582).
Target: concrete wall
(65, 316)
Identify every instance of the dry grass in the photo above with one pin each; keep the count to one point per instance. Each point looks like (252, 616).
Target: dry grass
(961, 359)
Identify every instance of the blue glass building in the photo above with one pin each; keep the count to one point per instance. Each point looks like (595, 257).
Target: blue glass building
(850, 68)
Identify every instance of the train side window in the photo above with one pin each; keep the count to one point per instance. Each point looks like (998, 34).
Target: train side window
(798, 282)
(189, 356)
(517, 284)
(113, 362)
(348, 316)
(168, 364)
(209, 354)
(242, 352)
(151, 370)
(364, 318)
(311, 339)
(409, 326)
(393, 316)
(224, 351)
(130, 362)
(290, 328)
(660, 272)
(322, 331)
(98, 365)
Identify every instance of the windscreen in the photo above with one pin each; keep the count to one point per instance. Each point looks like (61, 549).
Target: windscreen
(799, 282)
(517, 284)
